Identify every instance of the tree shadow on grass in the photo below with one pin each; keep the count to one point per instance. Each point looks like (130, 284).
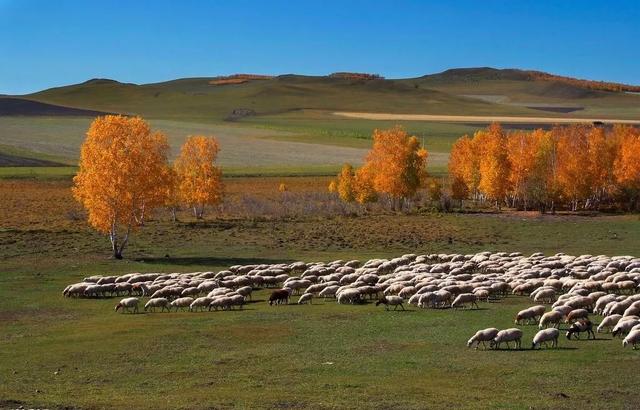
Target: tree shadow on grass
(211, 260)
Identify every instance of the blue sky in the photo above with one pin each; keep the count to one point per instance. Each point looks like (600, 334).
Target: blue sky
(51, 43)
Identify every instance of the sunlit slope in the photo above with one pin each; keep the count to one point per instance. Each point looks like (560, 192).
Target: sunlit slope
(197, 99)
(509, 87)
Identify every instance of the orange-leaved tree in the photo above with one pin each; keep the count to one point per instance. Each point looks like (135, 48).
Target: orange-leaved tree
(464, 167)
(602, 154)
(494, 163)
(122, 175)
(522, 148)
(627, 163)
(333, 186)
(346, 184)
(364, 189)
(574, 175)
(397, 164)
(200, 179)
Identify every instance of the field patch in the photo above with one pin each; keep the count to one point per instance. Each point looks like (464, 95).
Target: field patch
(7, 160)
(479, 119)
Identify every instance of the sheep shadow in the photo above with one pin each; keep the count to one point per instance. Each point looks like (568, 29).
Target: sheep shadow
(523, 349)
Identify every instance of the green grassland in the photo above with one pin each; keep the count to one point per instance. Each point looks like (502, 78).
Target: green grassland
(61, 353)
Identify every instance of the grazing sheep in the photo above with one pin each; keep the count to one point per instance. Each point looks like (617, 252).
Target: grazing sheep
(329, 291)
(505, 336)
(279, 296)
(482, 336)
(577, 314)
(222, 302)
(181, 303)
(544, 336)
(306, 298)
(633, 339)
(464, 298)
(552, 318)
(582, 325)
(139, 289)
(482, 294)
(608, 323)
(245, 291)
(528, 315)
(236, 300)
(545, 296)
(564, 309)
(127, 304)
(624, 326)
(201, 303)
(162, 303)
(394, 301)
(348, 296)
(192, 291)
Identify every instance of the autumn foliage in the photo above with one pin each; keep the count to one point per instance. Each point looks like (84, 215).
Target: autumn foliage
(346, 184)
(123, 174)
(575, 167)
(199, 178)
(394, 168)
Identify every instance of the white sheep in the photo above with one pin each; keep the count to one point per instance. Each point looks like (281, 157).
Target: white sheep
(348, 296)
(528, 315)
(394, 301)
(127, 304)
(464, 298)
(201, 303)
(306, 297)
(482, 336)
(552, 318)
(577, 314)
(245, 291)
(633, 339)
(545, 296)
(624, 326)
(181, 303)
(608, 323)
(544, 336)
(152, 304)
(329, 291)
(505, 336)
(222, 302)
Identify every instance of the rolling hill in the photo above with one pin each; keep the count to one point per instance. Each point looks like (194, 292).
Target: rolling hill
(472, 91)
(273, 121)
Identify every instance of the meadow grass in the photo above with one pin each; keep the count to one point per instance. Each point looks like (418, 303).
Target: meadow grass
(318, 356)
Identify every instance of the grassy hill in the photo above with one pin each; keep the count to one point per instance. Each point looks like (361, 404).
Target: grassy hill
(198, 99)
(262, 120)
(474, 91)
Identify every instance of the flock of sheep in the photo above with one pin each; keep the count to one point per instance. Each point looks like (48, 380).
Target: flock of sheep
(574, 287)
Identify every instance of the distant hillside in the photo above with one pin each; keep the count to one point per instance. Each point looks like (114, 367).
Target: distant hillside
(488, 73)
(466, 91)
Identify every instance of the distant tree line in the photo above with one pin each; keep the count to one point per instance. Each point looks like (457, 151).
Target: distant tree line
(568, 167)
(590, 84)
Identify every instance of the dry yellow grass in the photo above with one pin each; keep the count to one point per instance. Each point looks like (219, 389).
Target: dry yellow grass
(477, 118)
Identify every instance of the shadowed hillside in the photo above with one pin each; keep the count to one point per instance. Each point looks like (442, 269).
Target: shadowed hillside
(18, 106)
